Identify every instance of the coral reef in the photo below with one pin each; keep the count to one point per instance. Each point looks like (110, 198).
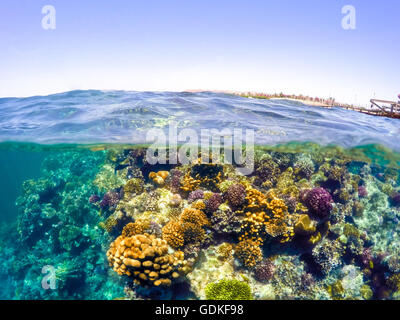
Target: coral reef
(310, 222)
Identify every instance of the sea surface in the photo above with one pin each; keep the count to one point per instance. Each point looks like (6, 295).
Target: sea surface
(124, 117)
(59, 152)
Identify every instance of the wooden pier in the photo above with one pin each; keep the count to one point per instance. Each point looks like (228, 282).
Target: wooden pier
(382, 108)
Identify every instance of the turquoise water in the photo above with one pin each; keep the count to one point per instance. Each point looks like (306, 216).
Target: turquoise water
(59, 151)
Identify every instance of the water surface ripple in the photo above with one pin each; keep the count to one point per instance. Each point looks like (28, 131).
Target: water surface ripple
(93, 116)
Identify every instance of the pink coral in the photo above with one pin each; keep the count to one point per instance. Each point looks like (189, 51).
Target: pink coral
(319, 202)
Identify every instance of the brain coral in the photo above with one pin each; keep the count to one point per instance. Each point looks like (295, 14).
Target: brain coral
(319, 202)
(146, 259)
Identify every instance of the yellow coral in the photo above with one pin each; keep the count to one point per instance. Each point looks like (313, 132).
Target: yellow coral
(133, 186)
(172, 233)
(137, 227)
(189, 183)
(266, 214)
(224, 251)
(206, 175)
(248, 252)
(192, 232)
(159, 177)
(194, 216)
(112, 221)
(145, 258)
(188, 228)
(199, 204)
(304, 225)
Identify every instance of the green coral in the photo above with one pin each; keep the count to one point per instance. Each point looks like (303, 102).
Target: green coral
(228, 289)
(336, 290)
(107, 179)
(366, 292)
(134, 186)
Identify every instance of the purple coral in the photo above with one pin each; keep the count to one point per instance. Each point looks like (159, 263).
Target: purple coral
(213, 202)
(265, 271)
(94, 198)
(319, 202)
(362, 192)
(307, 281)
(236, 195)
(110, 200)
(366, 257)
(395, 199)
(195, 195)
(175, 180)
(225, 222)
(155, 229)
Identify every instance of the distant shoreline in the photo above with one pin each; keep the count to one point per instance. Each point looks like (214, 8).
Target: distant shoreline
(307, 102)
(311, 101)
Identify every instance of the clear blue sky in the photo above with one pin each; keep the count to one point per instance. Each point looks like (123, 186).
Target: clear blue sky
(270, 45)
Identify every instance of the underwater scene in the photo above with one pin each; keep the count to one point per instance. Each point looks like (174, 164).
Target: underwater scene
(85, 214)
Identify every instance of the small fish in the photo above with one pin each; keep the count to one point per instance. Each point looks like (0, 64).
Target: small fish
(121, 166)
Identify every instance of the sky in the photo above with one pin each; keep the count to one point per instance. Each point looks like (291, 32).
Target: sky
(288, 46)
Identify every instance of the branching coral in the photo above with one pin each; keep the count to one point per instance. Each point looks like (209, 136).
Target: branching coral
(145, 258)
(304, 166)
(133, 186)
(110, 200)
(172, 233)
(248, 252)
(189, 228)
(189, 183)
(175, 180)
(204, 175)
(194, 216)
(209, 175)
(266, 214)
(224, 221)
(266, 172)
(140, 226)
